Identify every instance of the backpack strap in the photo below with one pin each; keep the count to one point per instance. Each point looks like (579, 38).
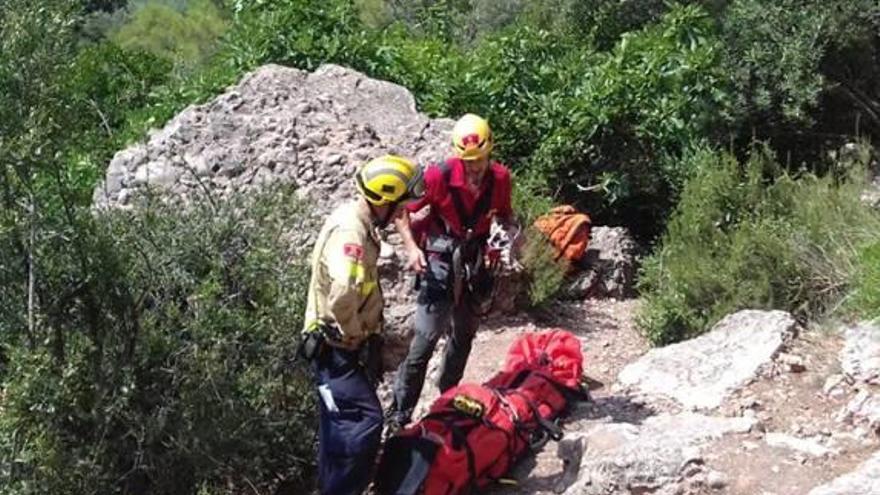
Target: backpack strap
(546, 429)
(571, 394)
(483, 204)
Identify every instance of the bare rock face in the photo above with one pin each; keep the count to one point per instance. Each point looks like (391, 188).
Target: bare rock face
(865, 479)
(860, 361)
(608, 268)
(860, 357)
(643, 458)
(702, 372)
(278, 125)
(864, 408)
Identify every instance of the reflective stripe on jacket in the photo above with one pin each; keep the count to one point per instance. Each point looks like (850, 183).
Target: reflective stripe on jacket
(344, 288)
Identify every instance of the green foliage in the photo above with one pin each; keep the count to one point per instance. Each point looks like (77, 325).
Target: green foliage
(776, 49)
(866, 296)
(161, 360)
(375, 14)
(185, 36)
(603, 22)
(63, 104)
(153, 354)
(545, 273)
(752, 236)
(656, 93)
(804, 72)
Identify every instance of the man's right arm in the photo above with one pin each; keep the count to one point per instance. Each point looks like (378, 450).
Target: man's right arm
(415, 256)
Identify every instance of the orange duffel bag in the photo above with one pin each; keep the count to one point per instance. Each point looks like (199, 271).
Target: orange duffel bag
(568, 231)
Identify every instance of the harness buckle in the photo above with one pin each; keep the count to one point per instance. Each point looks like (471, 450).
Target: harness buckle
(468, 406)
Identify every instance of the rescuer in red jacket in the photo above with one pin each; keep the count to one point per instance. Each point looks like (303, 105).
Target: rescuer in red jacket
(447, 248)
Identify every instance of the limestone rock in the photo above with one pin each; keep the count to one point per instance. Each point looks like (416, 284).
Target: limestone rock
(608, 268)
(806, 446)
(864, 408)
(648, 456)
(860, 357)
(795, 364)
(701, 372)
(716, 480)
(865, 479)
(831, 387)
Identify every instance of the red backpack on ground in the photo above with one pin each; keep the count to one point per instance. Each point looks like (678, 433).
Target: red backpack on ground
(473, 434)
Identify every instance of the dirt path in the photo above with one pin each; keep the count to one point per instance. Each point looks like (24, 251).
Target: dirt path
(788, 401)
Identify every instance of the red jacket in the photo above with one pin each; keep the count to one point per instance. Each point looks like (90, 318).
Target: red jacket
(443, 210)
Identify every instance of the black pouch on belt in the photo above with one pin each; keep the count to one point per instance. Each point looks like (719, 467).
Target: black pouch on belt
(311, 346)
(440, 244)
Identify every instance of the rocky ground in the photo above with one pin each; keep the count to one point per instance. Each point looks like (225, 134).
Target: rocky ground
(775, 413)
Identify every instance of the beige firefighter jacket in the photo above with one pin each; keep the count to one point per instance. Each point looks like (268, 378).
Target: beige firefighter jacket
(344, 288)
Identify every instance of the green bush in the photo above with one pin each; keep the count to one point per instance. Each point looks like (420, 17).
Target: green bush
(866, 295)
(545, 273)
(162, 355)
(659, 91)
(751, 236)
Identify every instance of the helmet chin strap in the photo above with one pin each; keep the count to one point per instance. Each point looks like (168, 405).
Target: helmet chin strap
(382, 221)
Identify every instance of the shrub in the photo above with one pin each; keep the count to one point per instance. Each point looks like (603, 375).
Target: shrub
(866, 296)
(545, 274)
(162, 359)
(604, 21)
(751, 236)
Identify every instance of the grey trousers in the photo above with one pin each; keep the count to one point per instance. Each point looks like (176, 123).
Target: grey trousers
(436, 314)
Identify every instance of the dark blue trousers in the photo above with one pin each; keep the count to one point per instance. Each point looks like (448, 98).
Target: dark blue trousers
(350, 424)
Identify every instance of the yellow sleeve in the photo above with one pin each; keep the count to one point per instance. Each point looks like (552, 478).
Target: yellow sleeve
(344, 259)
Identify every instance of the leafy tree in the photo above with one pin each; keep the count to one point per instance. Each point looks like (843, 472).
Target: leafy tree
(803, 73)
(185, 36)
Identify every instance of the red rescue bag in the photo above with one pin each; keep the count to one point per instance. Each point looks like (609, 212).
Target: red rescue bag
(473, 434)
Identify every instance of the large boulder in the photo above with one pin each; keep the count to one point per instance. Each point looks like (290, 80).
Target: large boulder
(278, 125)
(864, 480)
(642, 458)
(702, 372)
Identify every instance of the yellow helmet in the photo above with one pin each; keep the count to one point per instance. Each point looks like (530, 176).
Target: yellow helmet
(472, 137)
(390, 179)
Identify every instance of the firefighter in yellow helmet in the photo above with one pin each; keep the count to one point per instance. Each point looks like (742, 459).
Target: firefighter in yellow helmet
(343, 322)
